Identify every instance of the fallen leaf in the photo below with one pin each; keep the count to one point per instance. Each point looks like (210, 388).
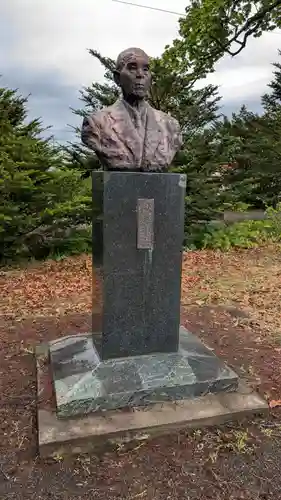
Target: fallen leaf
(274, 403)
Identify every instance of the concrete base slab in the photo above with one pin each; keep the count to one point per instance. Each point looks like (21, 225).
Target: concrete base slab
(101, 431)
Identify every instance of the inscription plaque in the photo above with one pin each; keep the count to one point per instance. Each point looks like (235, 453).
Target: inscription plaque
(145, 218)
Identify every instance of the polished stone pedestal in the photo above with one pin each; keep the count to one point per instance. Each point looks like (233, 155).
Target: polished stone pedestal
(85, 383)
(138, 233)
(137, 373)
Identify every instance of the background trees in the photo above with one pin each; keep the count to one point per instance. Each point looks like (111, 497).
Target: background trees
(252, 143)
(45, 191)
(211, 29)
(37, 189)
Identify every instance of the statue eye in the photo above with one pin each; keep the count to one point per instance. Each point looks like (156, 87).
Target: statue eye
(132, 66)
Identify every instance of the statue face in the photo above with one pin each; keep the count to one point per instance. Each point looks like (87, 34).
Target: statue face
(134, 76)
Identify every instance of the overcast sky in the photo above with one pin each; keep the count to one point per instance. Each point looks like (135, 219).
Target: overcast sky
(43, 52)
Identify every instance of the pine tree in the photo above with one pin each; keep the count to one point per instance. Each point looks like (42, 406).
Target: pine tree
(253, 143)
(272, 101)
(36, 189)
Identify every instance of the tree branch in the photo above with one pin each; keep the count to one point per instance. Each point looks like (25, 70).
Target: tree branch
(257, 19)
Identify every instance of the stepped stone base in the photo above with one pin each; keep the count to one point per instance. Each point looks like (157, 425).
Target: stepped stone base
(100, 431)
(84, 383)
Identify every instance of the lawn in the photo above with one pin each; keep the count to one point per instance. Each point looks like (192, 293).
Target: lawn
(232, 301)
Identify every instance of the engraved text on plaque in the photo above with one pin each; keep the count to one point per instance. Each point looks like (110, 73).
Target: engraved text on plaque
(145, 222)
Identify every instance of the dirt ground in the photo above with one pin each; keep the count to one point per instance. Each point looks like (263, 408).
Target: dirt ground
(232, 301)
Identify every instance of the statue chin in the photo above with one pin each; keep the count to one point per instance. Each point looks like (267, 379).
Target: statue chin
(136, 95)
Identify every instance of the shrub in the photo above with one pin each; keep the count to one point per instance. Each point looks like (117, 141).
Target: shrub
(246, 234)
(77, 242)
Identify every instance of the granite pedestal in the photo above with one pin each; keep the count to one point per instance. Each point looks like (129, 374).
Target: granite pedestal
(142, 356)
(138, 225)
(138, 370)
(99, 432)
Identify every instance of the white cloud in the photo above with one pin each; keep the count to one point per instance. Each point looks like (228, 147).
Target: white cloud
(246, 76)
(56, 33)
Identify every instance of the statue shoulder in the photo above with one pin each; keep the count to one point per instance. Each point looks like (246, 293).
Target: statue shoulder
(171, 127)
(167, 120)
(101, 116)
(94, 125)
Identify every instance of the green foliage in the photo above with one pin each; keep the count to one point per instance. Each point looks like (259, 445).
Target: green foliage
(77, 242)
(45, 194)
(212, 28)
(93, 97)
(98, 95)
(252, 143)
(203, 191)
(246, 234)
(272, 101)
(39, 195)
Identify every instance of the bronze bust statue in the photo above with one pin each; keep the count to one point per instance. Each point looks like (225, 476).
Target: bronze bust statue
(130, 135)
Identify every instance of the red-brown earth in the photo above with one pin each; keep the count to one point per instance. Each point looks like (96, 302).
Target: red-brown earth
(232, 301)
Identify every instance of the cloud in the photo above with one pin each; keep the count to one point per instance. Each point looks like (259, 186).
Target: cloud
(44, 52)
(50, 98)
(246, 76)
(232, 106)
(56, 34)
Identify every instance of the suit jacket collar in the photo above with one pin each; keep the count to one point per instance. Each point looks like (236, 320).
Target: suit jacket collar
(123, 127)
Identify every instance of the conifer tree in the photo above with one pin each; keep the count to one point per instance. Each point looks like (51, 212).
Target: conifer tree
(37, 190)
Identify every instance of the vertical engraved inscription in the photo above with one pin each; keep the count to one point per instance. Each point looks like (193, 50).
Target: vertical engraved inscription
(145, 222)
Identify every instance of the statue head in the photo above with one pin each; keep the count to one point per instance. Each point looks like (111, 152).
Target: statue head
(132, 73)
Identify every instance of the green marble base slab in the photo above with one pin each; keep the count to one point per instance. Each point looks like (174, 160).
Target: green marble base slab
(83, 383)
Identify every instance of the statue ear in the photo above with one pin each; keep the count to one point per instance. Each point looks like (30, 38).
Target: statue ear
(116, 76)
